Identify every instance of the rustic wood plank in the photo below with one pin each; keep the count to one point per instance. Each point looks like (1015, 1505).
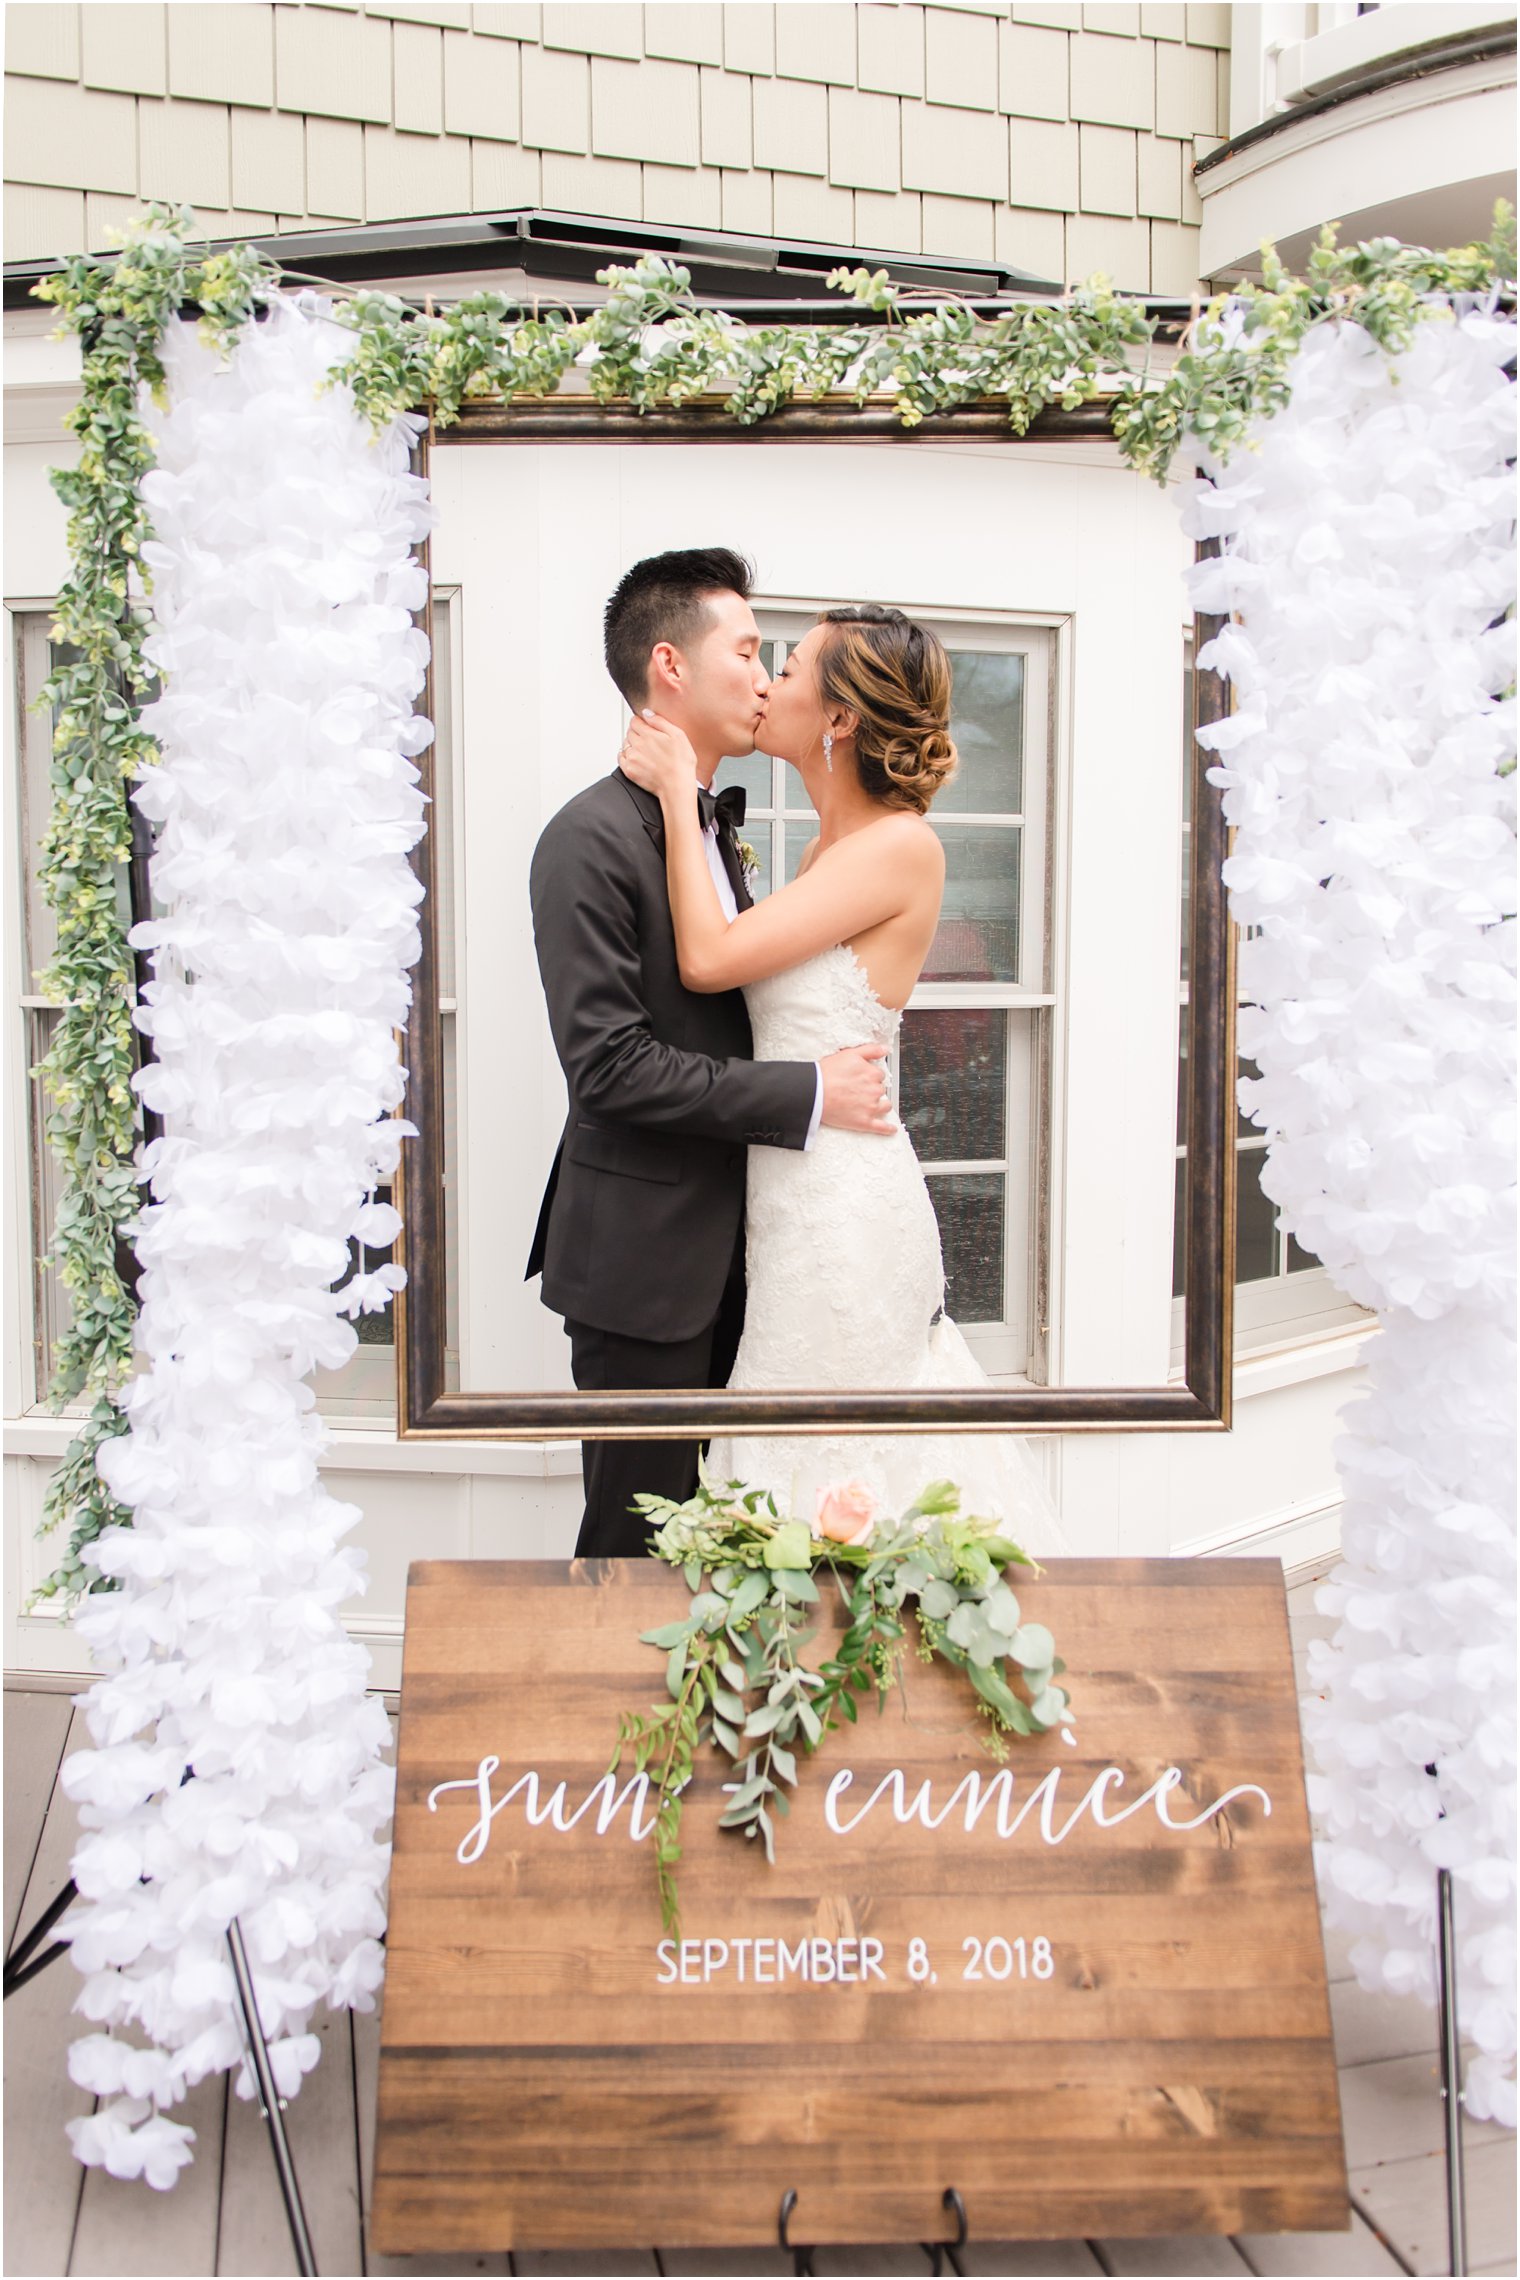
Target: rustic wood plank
(43, 2181)
(36, 1727)
(1406, 2200)
(722, 2263)
(365, 2028)
(1182, 2029)
(366, 2033)
(1354, 2255)
(253, 2236)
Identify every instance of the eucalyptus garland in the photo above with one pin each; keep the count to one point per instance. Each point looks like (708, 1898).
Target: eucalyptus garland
(119, 310)
(735, 1673)
(648, 345)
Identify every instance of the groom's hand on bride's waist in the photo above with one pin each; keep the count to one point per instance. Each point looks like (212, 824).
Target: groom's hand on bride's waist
(856, 1095)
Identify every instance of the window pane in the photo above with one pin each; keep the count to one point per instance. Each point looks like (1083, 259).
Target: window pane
(987, 723)
(377, 1329)
(1255, 1238)
(970, 1210)
(977, 939)
(754, 773)
(760, 840)
(799, 836)
(954, 1084)
(1298, 1258)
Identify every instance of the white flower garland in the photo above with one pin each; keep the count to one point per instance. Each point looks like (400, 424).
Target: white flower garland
(1368, 550)
(238, 1768)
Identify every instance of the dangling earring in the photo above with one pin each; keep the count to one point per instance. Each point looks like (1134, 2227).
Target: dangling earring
(828, 750)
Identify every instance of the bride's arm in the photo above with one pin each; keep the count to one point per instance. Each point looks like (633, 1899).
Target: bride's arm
(870, 876)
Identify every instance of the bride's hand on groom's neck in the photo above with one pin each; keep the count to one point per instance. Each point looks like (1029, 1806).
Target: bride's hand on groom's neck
(658, 757)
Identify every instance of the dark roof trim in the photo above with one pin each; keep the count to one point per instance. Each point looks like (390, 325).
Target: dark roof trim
(764, 279)
(1418, 63)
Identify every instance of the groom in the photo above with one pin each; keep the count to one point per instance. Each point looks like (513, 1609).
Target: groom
(640, 1237)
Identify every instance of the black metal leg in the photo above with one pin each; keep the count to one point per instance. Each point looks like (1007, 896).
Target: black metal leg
(1451, 2075)
(21, 1965)
(270, 2103)
(942, 2252)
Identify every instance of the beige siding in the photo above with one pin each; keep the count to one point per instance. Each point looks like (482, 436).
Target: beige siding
(1057, 137)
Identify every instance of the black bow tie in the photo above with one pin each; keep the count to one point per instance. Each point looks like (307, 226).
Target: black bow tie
(726, 808)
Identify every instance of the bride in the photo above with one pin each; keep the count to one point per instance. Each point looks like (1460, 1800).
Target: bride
(845, 1280)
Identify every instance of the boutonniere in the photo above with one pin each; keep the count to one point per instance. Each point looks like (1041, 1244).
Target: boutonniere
(749, 865)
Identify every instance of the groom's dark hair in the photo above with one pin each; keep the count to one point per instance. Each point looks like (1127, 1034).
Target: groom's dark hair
(664, 598)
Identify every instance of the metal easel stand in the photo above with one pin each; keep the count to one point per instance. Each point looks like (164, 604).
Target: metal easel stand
(23, 1964)
(1451, 2075)
(801, 2252)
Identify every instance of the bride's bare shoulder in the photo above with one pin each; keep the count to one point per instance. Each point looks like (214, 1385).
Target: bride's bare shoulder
(908, 838)
(905, 841)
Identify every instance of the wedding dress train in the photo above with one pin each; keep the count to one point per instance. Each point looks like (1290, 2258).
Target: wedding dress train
(844, 1281)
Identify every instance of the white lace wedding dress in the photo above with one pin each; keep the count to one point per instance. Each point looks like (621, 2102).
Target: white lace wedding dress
(844, 1278)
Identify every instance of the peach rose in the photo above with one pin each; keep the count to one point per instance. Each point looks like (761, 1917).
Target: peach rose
(846, 1512)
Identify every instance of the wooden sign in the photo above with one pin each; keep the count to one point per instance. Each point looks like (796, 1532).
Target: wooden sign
(1086, 1989)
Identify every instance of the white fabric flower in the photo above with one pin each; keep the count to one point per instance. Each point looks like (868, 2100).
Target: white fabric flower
(286, 804)
(1368, 548)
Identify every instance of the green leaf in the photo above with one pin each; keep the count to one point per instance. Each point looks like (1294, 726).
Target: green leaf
(750, 1593)
(731, 1705)
(939, 1599)
(790, 1546)
(1033, 1646)
(668, 1635)
(992, 1689)
(1002, 1611)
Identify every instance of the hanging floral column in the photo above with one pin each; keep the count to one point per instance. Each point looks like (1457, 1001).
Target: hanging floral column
(238, 1766)
(1368, 771)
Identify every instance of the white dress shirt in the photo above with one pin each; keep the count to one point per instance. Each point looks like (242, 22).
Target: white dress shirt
(724, 886)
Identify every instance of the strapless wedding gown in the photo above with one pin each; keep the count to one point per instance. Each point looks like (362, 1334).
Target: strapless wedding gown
(844, 1279)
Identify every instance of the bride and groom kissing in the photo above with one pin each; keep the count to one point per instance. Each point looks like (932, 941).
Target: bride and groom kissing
(733, 1201)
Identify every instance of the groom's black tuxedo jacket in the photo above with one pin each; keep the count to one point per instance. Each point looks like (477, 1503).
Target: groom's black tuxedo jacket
(638, 1224)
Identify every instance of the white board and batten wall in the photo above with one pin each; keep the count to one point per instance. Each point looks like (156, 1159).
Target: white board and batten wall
(1054, 553)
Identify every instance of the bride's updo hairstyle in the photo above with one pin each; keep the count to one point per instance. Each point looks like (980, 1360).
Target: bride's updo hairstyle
(895, 677)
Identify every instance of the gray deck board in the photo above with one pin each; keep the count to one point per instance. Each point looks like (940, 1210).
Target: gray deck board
(1406, 2200)
(35, 1729)
(1318, 2256)
(126, 2229)
(1174, 2256)
(42, 2178)
(254, 2237)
